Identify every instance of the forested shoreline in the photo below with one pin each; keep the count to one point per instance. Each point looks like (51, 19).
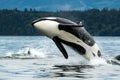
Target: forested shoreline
(105, 22)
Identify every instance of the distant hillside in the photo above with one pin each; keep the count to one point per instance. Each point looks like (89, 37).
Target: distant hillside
(98, 22)
(56, 5)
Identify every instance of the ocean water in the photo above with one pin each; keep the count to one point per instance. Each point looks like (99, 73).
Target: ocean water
(45, 61)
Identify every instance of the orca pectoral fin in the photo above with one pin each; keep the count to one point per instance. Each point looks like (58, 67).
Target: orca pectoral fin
(60, 46)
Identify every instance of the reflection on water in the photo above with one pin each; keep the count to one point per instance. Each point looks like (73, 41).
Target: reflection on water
(43, 69)
(71, 70)
(47, 63)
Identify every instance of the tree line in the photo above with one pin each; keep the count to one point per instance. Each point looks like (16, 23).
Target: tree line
(104, 22)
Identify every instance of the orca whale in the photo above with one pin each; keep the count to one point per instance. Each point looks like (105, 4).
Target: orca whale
(64, 31)
(117, 57)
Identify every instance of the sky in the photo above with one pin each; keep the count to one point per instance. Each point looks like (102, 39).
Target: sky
(56, 5)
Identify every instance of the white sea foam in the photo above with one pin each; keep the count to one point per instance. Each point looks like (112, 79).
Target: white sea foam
(97, 61)
(27, 53)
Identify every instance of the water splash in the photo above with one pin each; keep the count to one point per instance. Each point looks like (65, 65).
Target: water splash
(26, 53)
(97, 62)
(33, 53)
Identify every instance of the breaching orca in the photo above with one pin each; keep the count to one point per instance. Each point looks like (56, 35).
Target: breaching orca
(64, 31)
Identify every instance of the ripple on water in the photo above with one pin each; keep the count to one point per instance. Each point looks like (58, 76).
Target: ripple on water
(55, 67)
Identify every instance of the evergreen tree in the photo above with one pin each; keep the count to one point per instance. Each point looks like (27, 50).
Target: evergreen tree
(105, 22)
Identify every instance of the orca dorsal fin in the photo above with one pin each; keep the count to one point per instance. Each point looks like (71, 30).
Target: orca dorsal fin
(60, 46)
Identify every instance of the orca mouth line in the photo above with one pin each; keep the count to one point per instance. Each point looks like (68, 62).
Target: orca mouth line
(34, 22)
(40, 19)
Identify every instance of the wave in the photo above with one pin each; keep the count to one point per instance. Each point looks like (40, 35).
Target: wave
(33, 53)
(26, 53)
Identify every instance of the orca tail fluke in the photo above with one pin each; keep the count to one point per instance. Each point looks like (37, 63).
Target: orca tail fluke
(60, 46)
